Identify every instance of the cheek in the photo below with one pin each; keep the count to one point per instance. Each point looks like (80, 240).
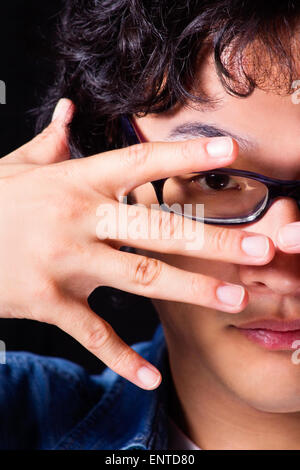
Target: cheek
(191, 328)
(197, 340)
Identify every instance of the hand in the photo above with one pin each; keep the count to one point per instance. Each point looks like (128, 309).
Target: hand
(51, 256)
(56, 149)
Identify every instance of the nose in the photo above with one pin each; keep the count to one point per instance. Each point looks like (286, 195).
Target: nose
(282, 275)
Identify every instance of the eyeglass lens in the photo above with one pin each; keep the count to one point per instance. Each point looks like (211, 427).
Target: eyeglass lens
(224, 196)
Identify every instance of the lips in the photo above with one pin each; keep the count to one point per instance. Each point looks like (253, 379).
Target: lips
(273, 335)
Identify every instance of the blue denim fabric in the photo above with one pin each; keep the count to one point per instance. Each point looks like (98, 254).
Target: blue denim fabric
(52, 403)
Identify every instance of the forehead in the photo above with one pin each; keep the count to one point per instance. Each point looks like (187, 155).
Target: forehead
(269, 120)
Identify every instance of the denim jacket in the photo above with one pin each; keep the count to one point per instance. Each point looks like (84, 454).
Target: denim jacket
(52, 403)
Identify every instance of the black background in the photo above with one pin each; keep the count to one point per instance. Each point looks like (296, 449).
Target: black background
(25, 34)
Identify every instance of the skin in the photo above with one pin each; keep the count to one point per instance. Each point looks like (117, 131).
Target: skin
(51, 204)
(63, 256)
(222, 381)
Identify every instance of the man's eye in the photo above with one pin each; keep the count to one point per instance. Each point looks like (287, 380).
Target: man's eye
(216, 182)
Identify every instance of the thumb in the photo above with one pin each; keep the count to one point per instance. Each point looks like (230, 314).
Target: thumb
(51, 145)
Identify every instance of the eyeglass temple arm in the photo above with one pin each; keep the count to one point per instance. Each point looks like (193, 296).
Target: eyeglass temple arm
(132, 132)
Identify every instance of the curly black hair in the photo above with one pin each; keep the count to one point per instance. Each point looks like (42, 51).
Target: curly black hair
(117, 57)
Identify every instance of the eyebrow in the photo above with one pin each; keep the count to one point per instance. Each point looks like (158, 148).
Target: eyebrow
(199, 129)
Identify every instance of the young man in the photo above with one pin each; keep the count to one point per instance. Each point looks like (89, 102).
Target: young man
(205, 87)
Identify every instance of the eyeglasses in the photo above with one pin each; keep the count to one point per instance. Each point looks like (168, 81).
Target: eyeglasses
(229, 196)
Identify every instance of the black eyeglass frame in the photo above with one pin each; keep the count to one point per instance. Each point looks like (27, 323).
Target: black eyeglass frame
(276, 187)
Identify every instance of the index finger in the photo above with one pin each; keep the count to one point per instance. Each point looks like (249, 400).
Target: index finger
(118, 172)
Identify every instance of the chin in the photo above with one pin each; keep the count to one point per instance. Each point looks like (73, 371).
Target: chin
(265, 379)
(270, 385)
(289, 404)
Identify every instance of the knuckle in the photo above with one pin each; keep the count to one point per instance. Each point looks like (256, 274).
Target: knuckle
(169, 224)
(195, 286)
(223, 240)
(65, 170)
(44, 135)
(200, 286)
(39, 141)
(147, 271)
(49, 136)
(138, 154)
(22, 154)
(123, 359)
(187, 149)
(99, 338)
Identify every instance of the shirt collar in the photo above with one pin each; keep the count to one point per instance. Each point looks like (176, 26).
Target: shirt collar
(128, 417)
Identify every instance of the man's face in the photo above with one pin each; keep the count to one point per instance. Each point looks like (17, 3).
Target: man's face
(204, 343)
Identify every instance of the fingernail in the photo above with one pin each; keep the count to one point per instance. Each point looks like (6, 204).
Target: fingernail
(148, 376)
(290, 235)
(220, 147)
(256, 246)
(62, 110)
(230, 294)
